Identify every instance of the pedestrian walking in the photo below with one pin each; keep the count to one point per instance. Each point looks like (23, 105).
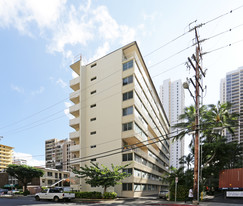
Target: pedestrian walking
(190, 196)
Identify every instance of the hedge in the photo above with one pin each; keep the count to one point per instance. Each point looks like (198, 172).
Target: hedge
(94, 195)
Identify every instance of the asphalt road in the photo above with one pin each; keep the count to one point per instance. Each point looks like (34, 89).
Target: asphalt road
(30, 201)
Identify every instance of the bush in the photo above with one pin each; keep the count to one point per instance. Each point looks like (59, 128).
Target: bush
(27, 192)
(182, 193)
(88, 195)
(109, 195)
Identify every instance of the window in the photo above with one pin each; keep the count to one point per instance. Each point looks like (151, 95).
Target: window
(127, 186)
(92, 133)
(127, 80)
(93, 92)
(127, 65)
(65, 175)
(137, 187)
(93, 65)
(127, 111)
(128, 95)
(49, 182)
(93, 146)
(49, 174)
(93, 78)
(127, 157)
(127, 170)
(127, 126)
(93, 119)
(93, 105)
(94, 159)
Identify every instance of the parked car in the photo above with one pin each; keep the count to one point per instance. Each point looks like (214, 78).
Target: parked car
(163, 194)
(3, 191)
(55, 194)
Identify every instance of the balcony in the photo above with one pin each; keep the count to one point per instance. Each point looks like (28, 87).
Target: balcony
(76, 67)
(75, 148)
(74, 135)
(132, 138)
(74, 123)
(75, 83)
(74, 96)
(74, 110)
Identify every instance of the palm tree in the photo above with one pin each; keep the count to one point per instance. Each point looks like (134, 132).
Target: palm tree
(211, 117)
(187, 160)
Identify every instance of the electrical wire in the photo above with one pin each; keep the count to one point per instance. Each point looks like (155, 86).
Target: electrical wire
(222, 15)
(223, 47)
(133, 146)
(209, 21)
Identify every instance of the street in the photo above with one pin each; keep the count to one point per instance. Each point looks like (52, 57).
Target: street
(30, 201)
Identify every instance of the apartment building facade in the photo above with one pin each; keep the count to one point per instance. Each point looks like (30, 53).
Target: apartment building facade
(119, 119)
(231, 90)
(173, 99)
(57, 154)
(6, 156)
(19, 161)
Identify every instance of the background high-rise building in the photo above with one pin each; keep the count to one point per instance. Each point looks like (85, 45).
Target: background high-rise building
(6, 156)
(57, 153)
(173, 100)
(19, 161)
(232, 87)
(116, 106)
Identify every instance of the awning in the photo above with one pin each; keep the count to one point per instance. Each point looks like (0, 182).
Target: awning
(9, 185)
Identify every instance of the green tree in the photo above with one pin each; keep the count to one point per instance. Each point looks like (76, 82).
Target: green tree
(185, 182)
(24, 173)
(217, 153)
(104, 177)
(187, 160)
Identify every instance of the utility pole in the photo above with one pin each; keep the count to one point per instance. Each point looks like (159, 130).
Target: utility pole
(198, 75)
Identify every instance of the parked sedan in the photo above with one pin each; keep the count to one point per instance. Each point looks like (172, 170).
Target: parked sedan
(3, 191)
(163, 194)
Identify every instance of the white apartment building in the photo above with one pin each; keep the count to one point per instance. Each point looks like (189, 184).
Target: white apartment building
(19, 161)
(119, 119)
(173, 99)
(231, 90)
(57, 153)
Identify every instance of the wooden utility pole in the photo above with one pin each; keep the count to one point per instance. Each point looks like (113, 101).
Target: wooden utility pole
(198, 75)
(196, 146)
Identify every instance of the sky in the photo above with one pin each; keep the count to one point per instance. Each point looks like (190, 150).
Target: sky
(40, 39)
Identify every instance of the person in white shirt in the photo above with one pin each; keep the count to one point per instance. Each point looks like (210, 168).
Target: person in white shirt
(190, 196)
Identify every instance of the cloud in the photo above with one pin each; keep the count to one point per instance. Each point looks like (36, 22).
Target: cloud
(17, 89)
(150, 17)
(66, 111)
(22, 14)
(39, 91)
(61, 83)
(64, 25)
(31, 161)
(101, 51)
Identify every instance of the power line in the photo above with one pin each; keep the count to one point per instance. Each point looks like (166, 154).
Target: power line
(169, 57)
(132, 146)
(221, 33)
(168, 70)
(209, 21)
(222, 47)
(166, 44)
(222, 15)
